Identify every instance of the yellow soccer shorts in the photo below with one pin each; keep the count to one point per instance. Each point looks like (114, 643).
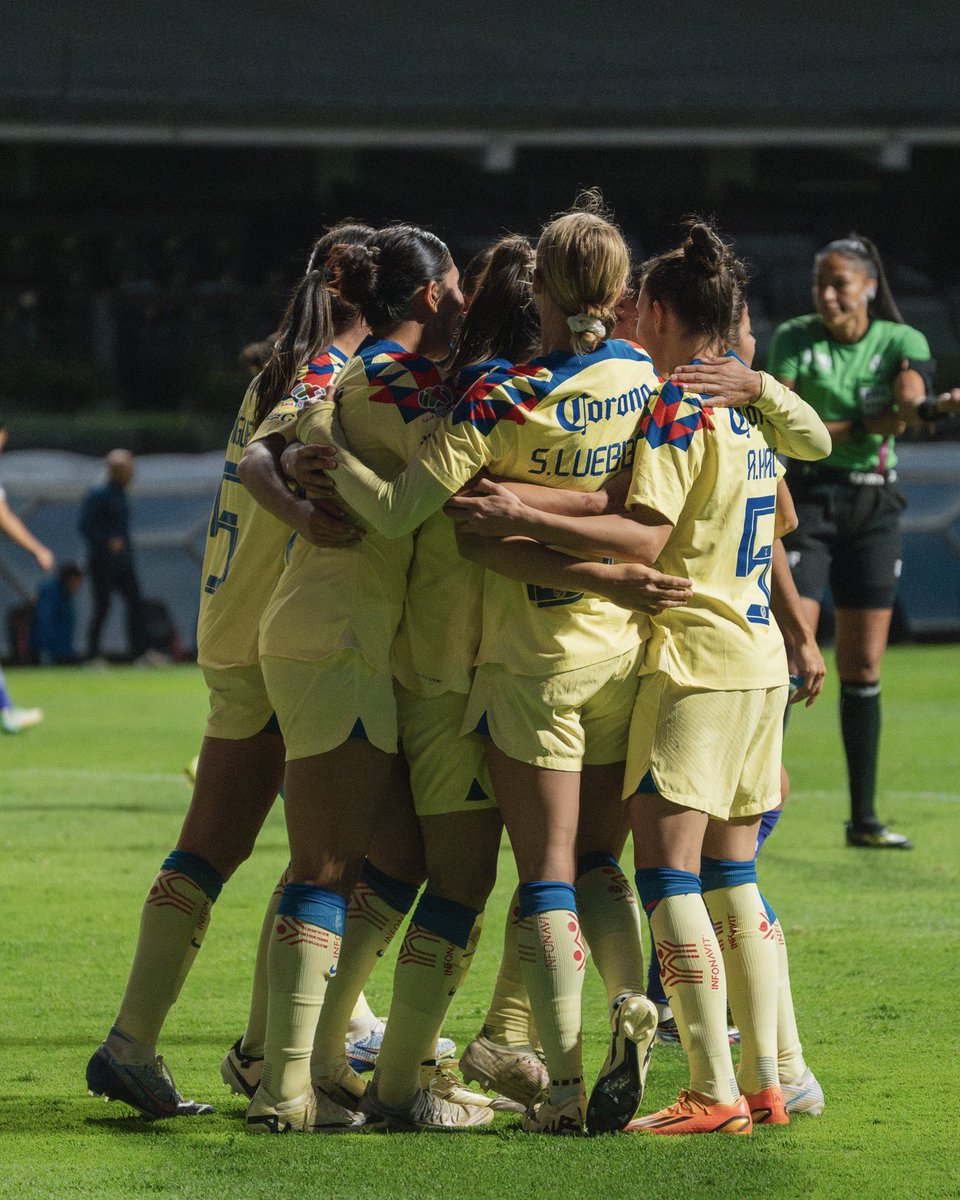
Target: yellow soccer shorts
(239, 705)
(561, 722)
(448, 773)
(717, 752)
(322, 704)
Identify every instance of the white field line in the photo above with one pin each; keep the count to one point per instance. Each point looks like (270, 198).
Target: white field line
(80, 776)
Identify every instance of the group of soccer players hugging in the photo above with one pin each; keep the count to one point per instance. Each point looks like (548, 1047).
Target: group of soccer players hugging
(429, 611)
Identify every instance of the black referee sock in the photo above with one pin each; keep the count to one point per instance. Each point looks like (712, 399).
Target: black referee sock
(860, 727)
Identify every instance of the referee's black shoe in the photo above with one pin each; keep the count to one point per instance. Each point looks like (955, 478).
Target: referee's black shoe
(876, 837)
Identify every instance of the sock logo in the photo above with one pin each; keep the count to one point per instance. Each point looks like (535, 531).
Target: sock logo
(767, 930)
(617, 885)
(166, 893)
(420, 947)
(292, 932)
(718, 933)
(671, 955)
(364, 905)
(573, 926)
(547, 945)
(714, 966)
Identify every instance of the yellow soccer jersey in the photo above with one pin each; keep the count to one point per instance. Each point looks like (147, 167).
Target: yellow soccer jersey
(713, 474)
(327, 600)
(436, 644)
(243, 556)
(566, 421)
(312, 381)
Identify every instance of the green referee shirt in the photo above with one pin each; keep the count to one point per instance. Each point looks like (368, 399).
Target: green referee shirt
(843, 381)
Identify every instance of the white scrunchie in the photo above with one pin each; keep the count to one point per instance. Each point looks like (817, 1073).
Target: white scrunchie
(583, 323)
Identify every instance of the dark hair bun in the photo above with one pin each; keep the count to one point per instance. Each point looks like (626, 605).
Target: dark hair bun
(353, 272)
(703, 249)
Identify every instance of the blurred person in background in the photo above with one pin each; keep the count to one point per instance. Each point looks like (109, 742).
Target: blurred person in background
(105, 526)
(867, 375)
(13, 719)
(55, 618)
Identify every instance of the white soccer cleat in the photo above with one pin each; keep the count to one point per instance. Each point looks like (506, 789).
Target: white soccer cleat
(241, 1072)
(565, 1120)
(805, 1097)
(15, 720)
(517, 1073)
(428, 1112)
(310, 1112)
(343, 1087)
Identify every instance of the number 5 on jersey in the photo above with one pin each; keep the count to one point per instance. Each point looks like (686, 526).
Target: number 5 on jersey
(750, 555)
(221, 519)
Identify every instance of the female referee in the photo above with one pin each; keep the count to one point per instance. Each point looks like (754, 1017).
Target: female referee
(867, 375)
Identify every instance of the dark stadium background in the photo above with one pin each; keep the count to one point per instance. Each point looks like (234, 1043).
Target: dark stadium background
(163, 169)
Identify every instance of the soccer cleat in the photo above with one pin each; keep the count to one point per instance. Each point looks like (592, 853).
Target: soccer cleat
(147, 1087)
(441, 1079)
(766, 1107)
(241, 1072)
(877, 837)
(310, 1112)
(803, 1098)
(427, 1112)
(362, 1054)
(567, 1119)
(517, 1073)
(693, 1113)
(14, 720)
(343, 1087)
(618, 1090)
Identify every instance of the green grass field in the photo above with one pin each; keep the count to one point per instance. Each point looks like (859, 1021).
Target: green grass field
(92, 800)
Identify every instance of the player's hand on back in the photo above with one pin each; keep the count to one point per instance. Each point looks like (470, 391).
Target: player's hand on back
(307, 466)
(725, 382)
(645, 589)
(486, 509)
(324, 523)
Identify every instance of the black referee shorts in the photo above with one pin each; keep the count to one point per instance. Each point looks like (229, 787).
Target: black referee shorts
(848, 536)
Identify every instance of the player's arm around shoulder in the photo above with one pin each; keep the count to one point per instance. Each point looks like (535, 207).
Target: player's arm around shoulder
(731, 384)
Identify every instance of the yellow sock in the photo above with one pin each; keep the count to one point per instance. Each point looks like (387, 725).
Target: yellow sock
(610, 919)
(377, 907)
(790, 1061)
(302, 959)
(173, 922)
(748, 944)
(427, 975)
(509, 1020)
(552, 958)
(691, 968)
(252, 1043)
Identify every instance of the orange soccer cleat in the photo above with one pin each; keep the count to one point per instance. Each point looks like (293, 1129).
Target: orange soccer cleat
(694, 1113)
(767, 1107)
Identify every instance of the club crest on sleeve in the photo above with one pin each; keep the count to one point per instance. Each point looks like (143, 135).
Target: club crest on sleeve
(673, 418)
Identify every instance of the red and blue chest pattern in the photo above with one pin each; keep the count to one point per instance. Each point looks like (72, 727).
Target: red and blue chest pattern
(674, 417)
(508, 393)
(408, 382)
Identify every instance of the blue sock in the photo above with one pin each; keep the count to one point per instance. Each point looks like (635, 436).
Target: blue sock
(446, 918)
(767, 823)
(395, 892)
(656, 883)
(315, 905)
(545, 895)
(207, 879)
(726, 873)
(596, 858)
(5, 701)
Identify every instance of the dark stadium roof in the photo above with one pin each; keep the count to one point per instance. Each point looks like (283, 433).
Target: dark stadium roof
(528, 72)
